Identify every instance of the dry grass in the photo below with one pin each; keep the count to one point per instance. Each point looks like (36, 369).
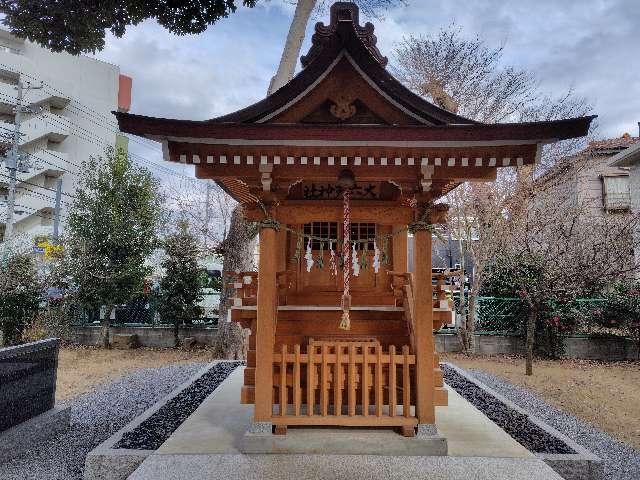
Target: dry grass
(604, 394)
(82, 368)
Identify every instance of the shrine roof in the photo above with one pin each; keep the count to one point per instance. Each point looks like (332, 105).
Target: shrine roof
(345, 42)
(344, 109)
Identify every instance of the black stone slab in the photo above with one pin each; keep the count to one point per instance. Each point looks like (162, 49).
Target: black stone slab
(27, 381)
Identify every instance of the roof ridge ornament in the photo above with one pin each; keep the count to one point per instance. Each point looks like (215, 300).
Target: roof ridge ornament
(343, 13)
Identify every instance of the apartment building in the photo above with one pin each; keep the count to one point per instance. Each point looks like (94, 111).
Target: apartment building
(69, 120)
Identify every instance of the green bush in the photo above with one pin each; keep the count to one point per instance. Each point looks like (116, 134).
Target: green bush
(20, 297)
(622, 310)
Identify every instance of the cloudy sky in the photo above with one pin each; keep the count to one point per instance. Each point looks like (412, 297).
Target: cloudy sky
(592, 46)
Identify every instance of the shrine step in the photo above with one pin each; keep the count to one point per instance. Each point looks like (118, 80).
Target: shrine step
(247, 394)
(441, 397)
(438, 378)
(250, 376)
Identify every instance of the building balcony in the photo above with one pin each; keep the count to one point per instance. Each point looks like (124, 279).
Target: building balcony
(50, 126)
(42, 163)
(9, 97)
(23, 212)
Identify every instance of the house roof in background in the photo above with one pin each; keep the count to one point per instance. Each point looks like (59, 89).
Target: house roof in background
(629, 156)
(613, 144)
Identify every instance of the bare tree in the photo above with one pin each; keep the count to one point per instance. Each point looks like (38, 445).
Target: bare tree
(218, 222)
(468, 77)
(561, 249)
(478, 223)
(204, 206)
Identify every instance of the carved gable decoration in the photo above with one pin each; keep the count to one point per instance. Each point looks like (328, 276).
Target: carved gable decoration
(347, 111)
(344, 59)
(344, 96)
(324, 34)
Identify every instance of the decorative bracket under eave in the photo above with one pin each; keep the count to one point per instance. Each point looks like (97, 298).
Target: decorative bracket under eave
(427, 173)
(266, 169)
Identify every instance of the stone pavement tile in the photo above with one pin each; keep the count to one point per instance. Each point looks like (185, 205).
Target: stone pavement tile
(334, 467)
(470, 433)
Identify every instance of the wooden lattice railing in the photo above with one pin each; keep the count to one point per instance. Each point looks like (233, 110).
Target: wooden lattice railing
(402, 287)
(348, 383)
(245, 285)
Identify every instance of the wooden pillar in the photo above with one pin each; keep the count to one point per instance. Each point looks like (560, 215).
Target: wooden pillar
(423, 311)
(400, 252)
(265, 325)
(281, 248)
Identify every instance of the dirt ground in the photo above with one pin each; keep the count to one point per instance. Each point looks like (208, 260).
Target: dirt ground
(606, 395)
(81, 368)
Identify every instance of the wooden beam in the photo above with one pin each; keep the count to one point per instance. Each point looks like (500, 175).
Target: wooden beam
(423, 311)
(329, 173)
(266, 313)
(345, 420)
(281, 250)
(293, 213)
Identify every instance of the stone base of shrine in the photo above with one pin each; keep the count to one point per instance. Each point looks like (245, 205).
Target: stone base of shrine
(212, 444)
(221, 425)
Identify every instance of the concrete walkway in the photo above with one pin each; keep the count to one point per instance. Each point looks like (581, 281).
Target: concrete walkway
(331, 467)
(206, 446)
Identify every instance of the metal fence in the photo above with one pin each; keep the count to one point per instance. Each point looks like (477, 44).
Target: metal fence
(141, 313)
(508, 316)
(500, 315)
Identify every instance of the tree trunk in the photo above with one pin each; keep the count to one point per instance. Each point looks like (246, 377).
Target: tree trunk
(176, 333)
(464, 331)
(292, 46)
(106, 326)
(237, 250)
(471, 317)
(531, 337)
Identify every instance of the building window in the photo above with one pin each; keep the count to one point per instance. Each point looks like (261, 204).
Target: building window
(615, 192)
(363, 231)
(320, 230)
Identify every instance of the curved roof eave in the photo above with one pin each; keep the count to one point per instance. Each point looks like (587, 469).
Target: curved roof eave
(545, 131)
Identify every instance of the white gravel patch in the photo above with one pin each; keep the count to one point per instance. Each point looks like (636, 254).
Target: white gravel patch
(95, 416)
(621, 461)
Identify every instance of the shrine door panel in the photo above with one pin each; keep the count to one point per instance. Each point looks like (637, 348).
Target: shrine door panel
(368, 280)
(320, 277)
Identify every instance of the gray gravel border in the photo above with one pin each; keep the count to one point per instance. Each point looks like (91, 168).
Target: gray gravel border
(95, 416)
(621, 461)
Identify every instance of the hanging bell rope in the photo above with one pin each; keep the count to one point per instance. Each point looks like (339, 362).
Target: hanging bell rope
(345, 323)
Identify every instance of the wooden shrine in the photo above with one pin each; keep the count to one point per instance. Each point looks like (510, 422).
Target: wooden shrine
(340, 166)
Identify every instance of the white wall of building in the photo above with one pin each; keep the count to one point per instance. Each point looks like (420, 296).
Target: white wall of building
(74, 122)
